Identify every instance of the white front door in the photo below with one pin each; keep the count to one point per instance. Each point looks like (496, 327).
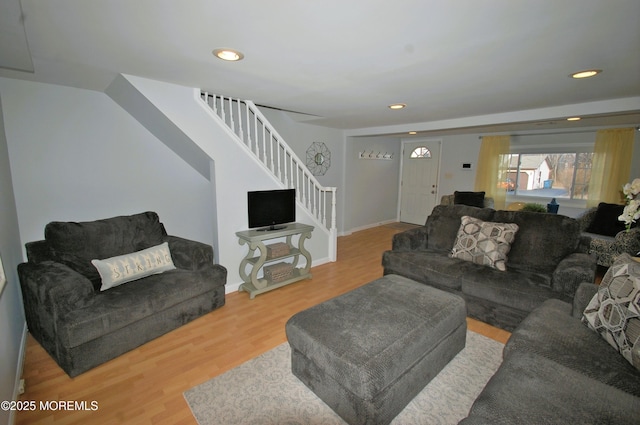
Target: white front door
(420, 162)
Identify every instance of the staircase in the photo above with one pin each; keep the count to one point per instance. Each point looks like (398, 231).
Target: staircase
(254, 132)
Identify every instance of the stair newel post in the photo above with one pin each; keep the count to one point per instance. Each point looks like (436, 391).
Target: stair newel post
(323, 206)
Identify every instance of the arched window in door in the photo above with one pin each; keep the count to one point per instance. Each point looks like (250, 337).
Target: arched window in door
(421, 152)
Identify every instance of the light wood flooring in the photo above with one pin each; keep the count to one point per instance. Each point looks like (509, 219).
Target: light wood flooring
(145, 386)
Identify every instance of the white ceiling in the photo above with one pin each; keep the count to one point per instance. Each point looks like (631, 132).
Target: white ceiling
(462, 63)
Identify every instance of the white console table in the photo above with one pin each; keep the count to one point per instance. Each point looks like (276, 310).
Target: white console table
(255, 261)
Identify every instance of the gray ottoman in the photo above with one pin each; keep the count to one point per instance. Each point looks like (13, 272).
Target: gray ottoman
(369, 352)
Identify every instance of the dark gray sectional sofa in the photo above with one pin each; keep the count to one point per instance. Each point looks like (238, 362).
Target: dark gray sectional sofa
(546, 261)
(558, 371)
(81, 326)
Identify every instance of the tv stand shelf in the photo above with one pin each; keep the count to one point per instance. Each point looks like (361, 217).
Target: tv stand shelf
(257, 258)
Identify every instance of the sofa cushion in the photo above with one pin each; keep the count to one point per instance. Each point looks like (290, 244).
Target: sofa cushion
(121, 269)
(484, 242)
(435, 268)
(543, 240)
(444, 222)
(605, 222)
(77, 243)
(473, 199)
(551, 331)
(123, 305)
(518, 289)
(614, 311)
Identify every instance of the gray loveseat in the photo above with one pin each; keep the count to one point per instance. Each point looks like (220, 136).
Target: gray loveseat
(558, 371)
(544, 262)
(82, 326)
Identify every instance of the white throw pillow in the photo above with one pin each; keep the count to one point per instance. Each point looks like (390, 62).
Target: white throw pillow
(117, 270)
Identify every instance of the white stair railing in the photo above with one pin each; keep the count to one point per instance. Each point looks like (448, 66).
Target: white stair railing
(256, 133)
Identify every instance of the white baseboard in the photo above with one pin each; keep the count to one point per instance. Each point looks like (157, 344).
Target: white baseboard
(232, 287)
(19, 369)
(369, 226)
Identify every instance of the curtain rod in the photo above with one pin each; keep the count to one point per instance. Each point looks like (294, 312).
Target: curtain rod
(552, 133)
(544, 134)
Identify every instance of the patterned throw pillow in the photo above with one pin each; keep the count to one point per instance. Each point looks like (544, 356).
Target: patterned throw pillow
(484, 242)
(115, 271)
(614, 311)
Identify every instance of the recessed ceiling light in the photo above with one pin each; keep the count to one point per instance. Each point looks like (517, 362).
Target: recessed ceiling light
(228, 54)
(574, 119)
(586, 73)
(397, 106)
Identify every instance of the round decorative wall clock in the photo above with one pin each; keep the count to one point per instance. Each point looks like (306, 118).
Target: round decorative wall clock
(318, 158)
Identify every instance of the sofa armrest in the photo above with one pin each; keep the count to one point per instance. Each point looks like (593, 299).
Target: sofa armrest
(585, 243)
(54, 284)
(628, 241)
(188, 254)
(573, 270)
(49, 291)
(584, 294)
(410, 240)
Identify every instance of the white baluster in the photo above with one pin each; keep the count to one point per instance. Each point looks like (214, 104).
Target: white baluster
(264, 144)
(232, 123)
(273, 170)
(287, 163)
(240, 129)
(248, 112)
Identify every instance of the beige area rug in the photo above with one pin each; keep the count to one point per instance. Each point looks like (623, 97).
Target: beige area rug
(263, 391)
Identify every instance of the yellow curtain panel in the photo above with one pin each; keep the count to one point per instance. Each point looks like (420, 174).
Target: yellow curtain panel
(493, 164)
(611, 165)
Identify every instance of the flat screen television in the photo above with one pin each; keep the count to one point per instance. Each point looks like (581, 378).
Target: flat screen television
(271, 209)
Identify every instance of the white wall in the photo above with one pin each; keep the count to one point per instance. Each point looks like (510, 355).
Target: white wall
(76, 155)
(371, 186)
(12, 321)
(234, 174)
(457, 150)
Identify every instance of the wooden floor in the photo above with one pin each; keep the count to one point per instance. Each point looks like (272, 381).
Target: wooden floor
(145, 386)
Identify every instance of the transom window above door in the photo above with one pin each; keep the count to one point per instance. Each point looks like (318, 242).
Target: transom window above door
(421, 152)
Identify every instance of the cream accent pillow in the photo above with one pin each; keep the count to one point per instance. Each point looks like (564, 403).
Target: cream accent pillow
(614, 311)
(115, 271)
(484, 242)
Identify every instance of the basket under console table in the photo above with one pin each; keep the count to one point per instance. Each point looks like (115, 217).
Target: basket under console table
(280, 272)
